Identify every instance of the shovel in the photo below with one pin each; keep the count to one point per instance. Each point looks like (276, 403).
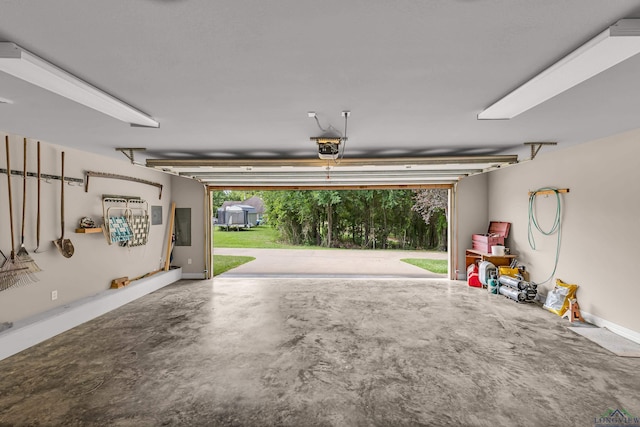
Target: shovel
(38, 217)
(64, 245)
(22, 254)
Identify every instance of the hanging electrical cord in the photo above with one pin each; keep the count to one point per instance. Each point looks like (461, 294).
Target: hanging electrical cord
(327, 129)
(555, 228)
(344, 139)
(319, 125)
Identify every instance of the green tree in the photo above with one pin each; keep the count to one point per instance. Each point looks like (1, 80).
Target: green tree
(327, 200)
(375, 219)
(433, 206)
(217, 199)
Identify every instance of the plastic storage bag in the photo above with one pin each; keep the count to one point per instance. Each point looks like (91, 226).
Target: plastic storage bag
(558, 298)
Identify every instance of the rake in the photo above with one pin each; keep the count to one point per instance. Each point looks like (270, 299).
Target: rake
(13, 271)
(9, 278)
(23, 255)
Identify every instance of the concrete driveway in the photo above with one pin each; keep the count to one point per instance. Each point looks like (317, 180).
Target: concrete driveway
(329, 263)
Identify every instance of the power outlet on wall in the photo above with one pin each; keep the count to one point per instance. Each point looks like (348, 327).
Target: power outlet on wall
(54, 295)
(189, 261)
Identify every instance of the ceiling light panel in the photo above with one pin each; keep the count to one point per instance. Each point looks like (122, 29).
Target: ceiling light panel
(26, 66)
(617, 43)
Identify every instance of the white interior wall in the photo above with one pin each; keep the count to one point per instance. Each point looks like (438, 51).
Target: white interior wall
(600, 221)
(471, 216)
(188, 193)
(95, 263)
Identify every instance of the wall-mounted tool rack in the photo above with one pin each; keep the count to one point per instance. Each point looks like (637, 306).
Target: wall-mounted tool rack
(121, 177)
(43, 176)
(548, 192)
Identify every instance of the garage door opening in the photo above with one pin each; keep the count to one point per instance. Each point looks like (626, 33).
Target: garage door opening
(372, 173)
(371, 232)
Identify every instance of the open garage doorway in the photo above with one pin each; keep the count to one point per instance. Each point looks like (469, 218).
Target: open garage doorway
(345, 173)
(371, 232)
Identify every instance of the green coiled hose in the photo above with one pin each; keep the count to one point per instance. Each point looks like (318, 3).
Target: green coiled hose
(555, 228)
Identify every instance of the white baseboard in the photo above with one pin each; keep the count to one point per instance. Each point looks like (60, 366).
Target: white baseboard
(193, 276)
(34, 330)
(615, 328)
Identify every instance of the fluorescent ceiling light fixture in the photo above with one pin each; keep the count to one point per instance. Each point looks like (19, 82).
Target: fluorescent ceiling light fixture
(617, 43)
(24, 65)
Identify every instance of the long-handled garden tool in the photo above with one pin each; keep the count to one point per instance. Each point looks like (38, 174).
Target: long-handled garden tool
(23, 255)
(38, 217)
(8, 278)
(64, 245)
(13, 272)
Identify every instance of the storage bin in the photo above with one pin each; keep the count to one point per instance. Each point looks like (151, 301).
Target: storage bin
(513, 272)
(498, 231)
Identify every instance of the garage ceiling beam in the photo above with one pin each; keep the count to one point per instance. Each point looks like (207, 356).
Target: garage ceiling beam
(397, 161)
(399, 172)
(293, 175)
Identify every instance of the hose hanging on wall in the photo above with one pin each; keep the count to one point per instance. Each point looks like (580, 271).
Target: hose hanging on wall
(555, 228)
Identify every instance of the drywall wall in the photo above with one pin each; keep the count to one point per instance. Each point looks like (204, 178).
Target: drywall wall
(190, 194)
(95, 263)
(471, 216)
(600, 221)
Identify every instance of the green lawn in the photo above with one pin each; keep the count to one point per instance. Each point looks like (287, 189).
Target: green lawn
(434, 265)
(257, 237)
(222, 263)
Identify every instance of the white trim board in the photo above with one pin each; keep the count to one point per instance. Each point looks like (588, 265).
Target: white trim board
(34, 330)
(193, 276)
(613, 327)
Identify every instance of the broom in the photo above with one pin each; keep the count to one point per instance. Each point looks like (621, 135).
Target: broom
(12, 272)
(23, 255)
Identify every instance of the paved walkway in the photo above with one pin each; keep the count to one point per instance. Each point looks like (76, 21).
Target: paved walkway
(329, 263)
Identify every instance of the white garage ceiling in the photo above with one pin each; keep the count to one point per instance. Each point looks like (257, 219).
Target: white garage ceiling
(234, 80)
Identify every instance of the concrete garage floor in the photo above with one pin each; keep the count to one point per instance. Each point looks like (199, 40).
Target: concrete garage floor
(318, 352)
